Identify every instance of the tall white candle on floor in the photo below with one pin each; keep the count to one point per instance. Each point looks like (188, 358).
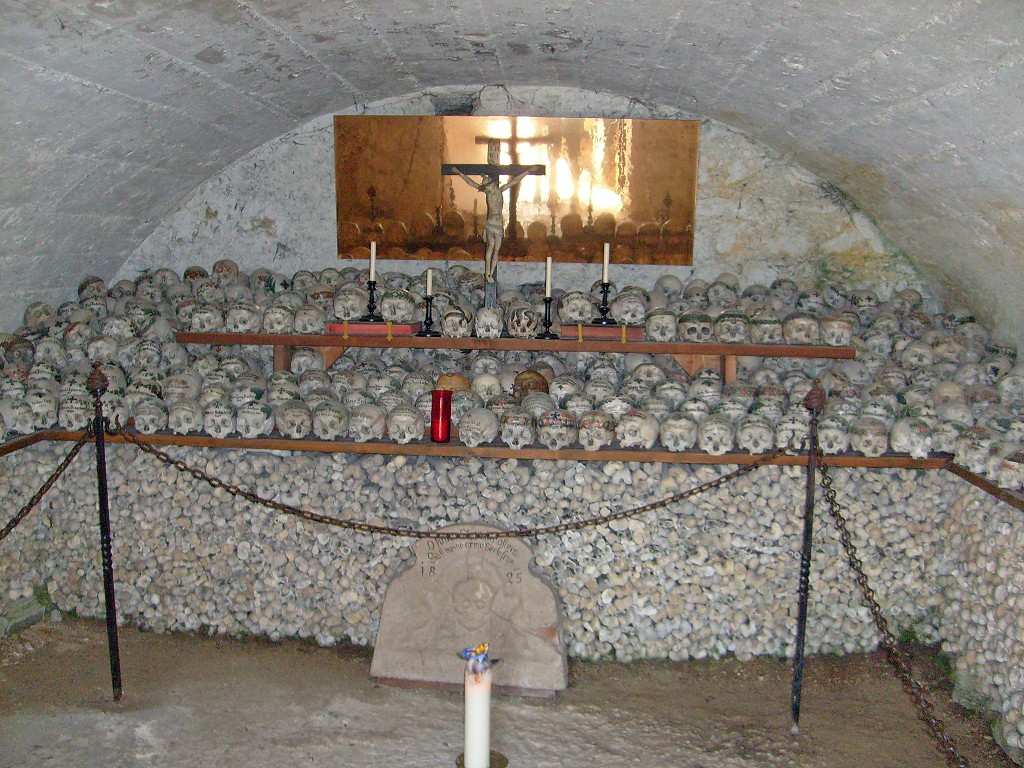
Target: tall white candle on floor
(373, 260)
(547, 278)
(604, 270)
(430, 282)
(477, 745)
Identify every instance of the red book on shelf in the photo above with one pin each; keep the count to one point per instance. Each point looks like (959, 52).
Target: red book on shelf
(356, 328)
(586, 331)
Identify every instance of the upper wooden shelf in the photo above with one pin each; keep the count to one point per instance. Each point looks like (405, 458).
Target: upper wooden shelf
(539, 345)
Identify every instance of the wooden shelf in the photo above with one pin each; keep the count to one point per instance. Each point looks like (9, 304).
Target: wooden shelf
(690, 356)
(497, 451)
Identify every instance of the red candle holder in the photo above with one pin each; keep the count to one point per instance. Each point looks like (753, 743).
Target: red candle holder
(441, 415)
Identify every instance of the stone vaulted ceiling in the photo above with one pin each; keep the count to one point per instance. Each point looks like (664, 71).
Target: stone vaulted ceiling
(112, 111)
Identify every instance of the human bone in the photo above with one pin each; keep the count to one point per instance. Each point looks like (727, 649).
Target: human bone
(487, 385)
(218, 419)
(397, 305)
(716, 435)
(367, 422)
(628, 308)
(557, 429)
(836, 330)
(350, 302)
(911, 435)
(488, 323)
(695, 327)
(184, 416)
(456, 324)
(224, 272)
(973, 448)
(517, 428)
(869, 436)
(833, 434)
(732, 327)
(661, 325)
(43, 404)
(595, 429)
(293, 419)
(800, 327)
(755, 433)
(477, 426)
(330, 420)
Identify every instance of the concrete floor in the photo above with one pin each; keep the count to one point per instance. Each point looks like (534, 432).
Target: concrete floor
(193, 700)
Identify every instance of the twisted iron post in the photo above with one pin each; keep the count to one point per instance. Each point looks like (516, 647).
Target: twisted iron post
(97, 384)
(815, 403)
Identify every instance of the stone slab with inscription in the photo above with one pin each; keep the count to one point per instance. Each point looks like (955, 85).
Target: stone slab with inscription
(462, 592)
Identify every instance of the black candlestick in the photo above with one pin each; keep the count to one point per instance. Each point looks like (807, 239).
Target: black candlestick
(603, 309)
(428, 320)
(371, 315)
(546, 333)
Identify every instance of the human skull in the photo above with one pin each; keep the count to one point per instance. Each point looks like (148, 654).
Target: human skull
(102, 349)
(310, 318)
(833, 435)
(184, 416)
(350, 302)
(488, 323)
(678, 432)
(578, 404)
(225, 272)
(1006, 467)
(243, 317)
(755, 434)
(330, 420)
(716, 435)
(869, 436)
(521, 321)
(668, 285)
(455, 323)
(367, 422)
(517, 428)
(397, 305)
(564, 386)
(293, 419)
(254, 419)
(911, 435)
(596, 429)
(43, 404)
(405, 423)
(695, 327)
(629, 308)
(800, 327)
(732, 327)
(661, 325)
(150, 416)
(477, 426)
(766, 328)
(557, 429)
(836, 330)
(487, 385)
(575, 307)
(973, 449)
(218, 418)
(207, 318)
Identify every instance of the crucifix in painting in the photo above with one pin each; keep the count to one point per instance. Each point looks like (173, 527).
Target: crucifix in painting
(490, 184)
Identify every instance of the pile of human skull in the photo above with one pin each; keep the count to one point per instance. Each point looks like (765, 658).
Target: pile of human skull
(921, 384)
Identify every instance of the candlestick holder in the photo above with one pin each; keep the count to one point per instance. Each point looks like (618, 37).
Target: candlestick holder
(428, 319)
(546, 333)
(371, 315)
(603, 308)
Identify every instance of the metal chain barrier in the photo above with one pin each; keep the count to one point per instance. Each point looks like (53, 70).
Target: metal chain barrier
(387, 530)
(896, 655)
(37, 497)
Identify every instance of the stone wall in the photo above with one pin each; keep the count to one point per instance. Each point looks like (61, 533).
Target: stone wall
(710, 577)
(758, 215)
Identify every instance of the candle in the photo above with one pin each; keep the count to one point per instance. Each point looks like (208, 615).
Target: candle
(604, 269)
(547, 279)
(441, 415)
(477, 743)
(373, 261)
(430, 282)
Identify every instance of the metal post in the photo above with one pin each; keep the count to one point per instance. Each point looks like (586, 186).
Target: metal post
(97, 385)
(815, 403)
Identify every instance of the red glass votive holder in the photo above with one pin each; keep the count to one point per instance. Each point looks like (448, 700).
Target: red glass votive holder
(441, 415)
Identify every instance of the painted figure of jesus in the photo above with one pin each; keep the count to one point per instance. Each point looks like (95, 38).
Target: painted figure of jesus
(493, 189)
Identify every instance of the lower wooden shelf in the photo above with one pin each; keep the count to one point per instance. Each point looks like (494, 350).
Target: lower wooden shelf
(496, 451)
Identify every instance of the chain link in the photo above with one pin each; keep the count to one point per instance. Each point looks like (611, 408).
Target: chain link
(896, 655)
(37, 497)
(387, 530)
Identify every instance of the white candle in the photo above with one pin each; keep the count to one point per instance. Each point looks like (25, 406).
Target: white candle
(373, 260)
(430, 282)
(604, 269)
(547, 279)
(477, 745)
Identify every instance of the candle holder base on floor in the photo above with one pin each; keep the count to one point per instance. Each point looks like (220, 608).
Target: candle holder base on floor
(498, 760)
